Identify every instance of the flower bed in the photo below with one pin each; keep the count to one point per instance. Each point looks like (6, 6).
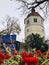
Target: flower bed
(25, 58)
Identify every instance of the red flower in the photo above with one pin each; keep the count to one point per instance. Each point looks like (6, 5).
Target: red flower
(25, 54)
(30, 55)
(15, 53)
(38, 52)
(44, 64)
(1, 57)
(1, 61)
(47, 54)
(33, 60)
(25, 64)
(7, 56)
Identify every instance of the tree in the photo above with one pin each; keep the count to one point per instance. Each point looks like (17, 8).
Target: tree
(47, 42)
(35, 41)
(28, 5)
(11, 27)
(44, 47)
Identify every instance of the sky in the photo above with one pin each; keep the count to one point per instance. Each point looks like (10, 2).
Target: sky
(8, 8)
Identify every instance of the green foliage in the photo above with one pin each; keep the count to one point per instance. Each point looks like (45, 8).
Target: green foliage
(36, 41)
(13, 61)
(44, 47)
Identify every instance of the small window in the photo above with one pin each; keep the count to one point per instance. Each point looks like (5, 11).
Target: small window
(35, 20)
(27, 30)
(42, 30)
(41, 21)
(27, 21)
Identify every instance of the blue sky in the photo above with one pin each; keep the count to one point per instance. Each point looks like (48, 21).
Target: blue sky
(8, 7)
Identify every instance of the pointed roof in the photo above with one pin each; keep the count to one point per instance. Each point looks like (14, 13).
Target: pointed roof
(33, 13)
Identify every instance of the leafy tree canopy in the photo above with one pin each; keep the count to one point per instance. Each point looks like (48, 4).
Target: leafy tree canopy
(36, 41)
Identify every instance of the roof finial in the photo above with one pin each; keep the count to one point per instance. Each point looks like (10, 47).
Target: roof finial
(32, 10)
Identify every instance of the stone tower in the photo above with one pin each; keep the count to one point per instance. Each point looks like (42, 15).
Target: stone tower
(34, 24)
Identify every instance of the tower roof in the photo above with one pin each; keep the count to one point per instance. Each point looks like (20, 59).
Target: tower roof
(33, 13)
